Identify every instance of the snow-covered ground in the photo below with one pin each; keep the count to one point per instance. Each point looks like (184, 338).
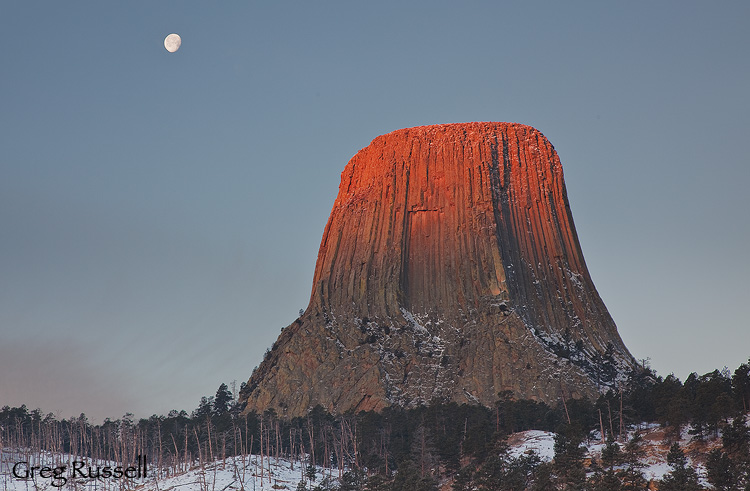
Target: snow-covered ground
(655, 450)
(249, 473)
(542, 443)
(232, 474)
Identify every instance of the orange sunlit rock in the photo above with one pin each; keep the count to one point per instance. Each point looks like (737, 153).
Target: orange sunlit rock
(449, 270)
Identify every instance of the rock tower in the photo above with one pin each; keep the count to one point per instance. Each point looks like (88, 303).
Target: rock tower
(449, 270)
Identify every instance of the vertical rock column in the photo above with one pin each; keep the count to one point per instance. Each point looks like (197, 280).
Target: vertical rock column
(449, 269)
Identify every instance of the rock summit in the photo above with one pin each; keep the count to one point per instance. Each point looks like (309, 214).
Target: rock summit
(449, 270)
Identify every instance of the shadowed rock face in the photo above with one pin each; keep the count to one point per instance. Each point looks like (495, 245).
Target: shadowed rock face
(449, 270)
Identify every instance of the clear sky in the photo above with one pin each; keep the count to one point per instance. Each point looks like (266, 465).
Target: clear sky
(160, 214)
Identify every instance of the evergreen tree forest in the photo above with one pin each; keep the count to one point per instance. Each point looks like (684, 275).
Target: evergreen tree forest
(458, 447)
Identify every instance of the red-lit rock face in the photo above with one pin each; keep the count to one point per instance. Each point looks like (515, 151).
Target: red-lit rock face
(449, 270)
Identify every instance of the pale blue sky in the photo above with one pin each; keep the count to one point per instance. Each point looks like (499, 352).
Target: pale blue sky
(160, 214)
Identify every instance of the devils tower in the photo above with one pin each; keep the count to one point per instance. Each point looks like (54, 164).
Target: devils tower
(449, 270)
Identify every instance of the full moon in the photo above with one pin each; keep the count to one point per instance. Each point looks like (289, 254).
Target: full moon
(172, 42)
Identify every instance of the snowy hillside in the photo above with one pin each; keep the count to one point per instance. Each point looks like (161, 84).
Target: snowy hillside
(254, 473)
(542, 443)
(249, 472)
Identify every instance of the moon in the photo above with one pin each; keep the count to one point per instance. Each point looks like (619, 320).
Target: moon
(172, 42)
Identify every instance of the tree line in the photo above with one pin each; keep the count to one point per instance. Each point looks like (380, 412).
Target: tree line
(416, 449)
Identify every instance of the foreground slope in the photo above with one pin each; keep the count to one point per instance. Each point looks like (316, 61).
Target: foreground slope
(449, 270)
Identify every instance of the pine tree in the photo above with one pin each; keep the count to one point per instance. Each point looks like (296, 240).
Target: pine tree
(721, 471)
(353, 480)
(736, 438)
(223, 400)
(204, 410)
(611, 454)
(605, 480)
(463, 480)
(408, 479)
(741, 386)
(520, 472)
(670, 406)
(682, 477)
(494, 468)
(311, 473)
(378, 483)
(609, 365)
(568, 463)
(605, 477)
(731, 466)
(327, 484)
(631, 477)
(543, 478)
